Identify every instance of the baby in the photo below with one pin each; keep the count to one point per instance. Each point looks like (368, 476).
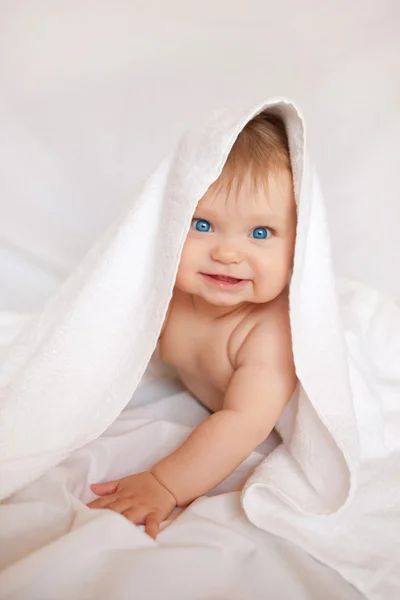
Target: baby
(227, 330)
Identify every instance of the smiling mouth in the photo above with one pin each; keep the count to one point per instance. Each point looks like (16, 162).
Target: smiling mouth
(224, 280)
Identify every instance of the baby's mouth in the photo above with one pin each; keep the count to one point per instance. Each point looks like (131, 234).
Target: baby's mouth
(225, 278)
(224, 281)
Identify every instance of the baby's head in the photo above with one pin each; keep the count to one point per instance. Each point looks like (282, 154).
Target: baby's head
(241, 242)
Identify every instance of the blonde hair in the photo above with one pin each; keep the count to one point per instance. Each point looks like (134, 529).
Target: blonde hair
(262, 145)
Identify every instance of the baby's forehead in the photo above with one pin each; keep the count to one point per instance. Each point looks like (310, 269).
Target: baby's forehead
(230, 205)
(273, 197)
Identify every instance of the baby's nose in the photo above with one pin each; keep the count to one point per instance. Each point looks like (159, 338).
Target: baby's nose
(227, 254)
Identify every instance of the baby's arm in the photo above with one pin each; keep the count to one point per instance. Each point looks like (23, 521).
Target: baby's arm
(260, 388)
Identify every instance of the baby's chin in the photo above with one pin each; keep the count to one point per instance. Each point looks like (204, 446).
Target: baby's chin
(224, 300)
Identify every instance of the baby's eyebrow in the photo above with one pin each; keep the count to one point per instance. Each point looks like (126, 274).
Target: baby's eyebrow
(265, 219)
(206, 211)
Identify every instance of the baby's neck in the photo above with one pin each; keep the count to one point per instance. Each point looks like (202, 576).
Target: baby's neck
(215, 312)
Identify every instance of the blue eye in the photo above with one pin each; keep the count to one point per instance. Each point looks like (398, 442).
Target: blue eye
(201, 225)
(260, 233)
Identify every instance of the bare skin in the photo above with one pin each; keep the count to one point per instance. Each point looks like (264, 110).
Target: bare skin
(207, 358)
(227, 333)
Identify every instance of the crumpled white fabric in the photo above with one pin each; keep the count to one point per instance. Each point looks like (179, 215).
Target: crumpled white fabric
(333, 486)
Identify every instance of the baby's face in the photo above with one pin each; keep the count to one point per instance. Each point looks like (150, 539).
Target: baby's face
(241, 243)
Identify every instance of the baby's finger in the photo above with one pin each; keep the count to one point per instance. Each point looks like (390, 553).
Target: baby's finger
(136, 514)
(152, 524)
(108, 487)
(121, 504)
(103, 502)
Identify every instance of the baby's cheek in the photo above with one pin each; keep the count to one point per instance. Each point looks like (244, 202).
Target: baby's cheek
(180, 277)
(272, 279)
(183, 275)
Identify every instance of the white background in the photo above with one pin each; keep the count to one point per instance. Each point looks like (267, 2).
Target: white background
(94, 93)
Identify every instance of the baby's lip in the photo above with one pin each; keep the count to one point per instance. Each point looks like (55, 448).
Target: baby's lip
(221, 277)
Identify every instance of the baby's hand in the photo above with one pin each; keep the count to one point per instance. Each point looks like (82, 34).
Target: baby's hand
(140, 498)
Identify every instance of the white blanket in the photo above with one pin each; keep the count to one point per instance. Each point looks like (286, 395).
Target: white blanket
(331, 486)
(54, 548)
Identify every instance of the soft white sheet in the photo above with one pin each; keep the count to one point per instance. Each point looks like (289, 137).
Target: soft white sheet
(54, 548)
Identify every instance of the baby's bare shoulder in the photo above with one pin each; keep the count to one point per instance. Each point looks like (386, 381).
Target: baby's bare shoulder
(268, 339)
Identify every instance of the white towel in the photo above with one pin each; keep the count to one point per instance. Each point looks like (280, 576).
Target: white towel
(333, 486)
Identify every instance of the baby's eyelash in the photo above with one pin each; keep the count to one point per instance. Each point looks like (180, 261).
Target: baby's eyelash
(273, 231)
